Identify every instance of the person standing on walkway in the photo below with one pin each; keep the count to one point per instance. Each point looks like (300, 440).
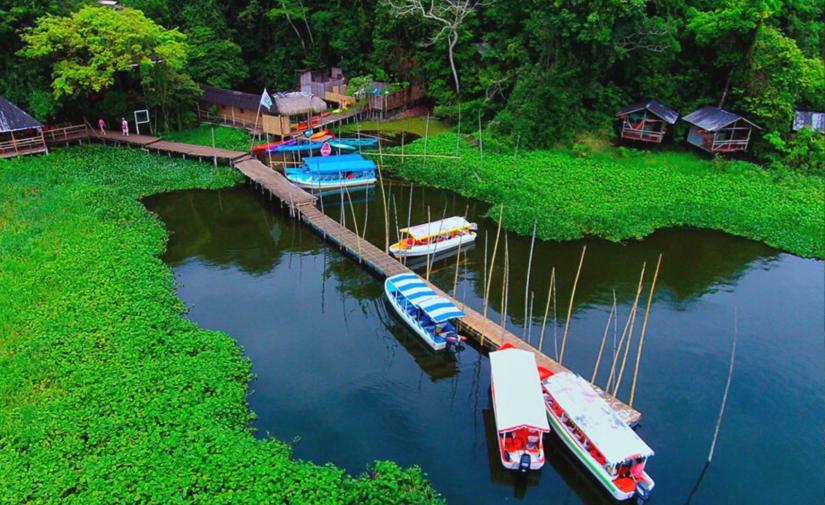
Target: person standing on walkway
(124, 126)
(102, 125)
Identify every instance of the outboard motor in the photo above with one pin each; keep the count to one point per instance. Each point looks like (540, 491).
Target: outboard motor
(642, 492)
(524, 463)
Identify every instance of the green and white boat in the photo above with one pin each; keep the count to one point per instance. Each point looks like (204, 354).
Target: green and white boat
(597, 436)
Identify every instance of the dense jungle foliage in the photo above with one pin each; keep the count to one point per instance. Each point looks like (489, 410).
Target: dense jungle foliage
(107, 393)
(540, 70)
(628, 193)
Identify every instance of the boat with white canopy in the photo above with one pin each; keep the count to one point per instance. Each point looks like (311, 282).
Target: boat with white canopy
(435, 237)
(518, 406)
(597, 436)
(426, 313)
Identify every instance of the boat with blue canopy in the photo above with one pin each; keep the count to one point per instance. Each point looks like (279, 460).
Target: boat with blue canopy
(429, 315)
(328, 172)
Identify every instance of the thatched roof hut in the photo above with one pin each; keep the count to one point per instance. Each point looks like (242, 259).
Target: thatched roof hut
(297, 104)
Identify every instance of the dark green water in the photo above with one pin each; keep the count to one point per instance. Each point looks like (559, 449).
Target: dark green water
(335, 371)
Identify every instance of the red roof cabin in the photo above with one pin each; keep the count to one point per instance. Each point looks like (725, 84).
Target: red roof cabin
(719, 131)
(646, 121)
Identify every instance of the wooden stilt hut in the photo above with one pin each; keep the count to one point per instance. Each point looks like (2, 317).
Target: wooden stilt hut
(646, 121)
(719, 131)
(19, 132)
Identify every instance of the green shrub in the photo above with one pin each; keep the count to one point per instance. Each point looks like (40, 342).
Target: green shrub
(108, 394)
(629, 197)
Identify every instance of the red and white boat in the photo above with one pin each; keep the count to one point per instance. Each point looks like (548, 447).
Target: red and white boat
(521, 421)
(596, 435)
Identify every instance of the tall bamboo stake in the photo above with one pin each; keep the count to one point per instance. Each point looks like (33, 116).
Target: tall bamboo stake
(555, 320)
(547, 306)
(426, 133)
(386, 212)
(427, 267)
(727, 388)
(409, 216)
(492, 264)
(626, 350)
(366, 215)
(505, 287)
(570, 306)
(484, 270)
(402, 147)
(458, 131)
(355, 224)
(601, 347)
(530, 327)
(458, 256)
(527, 283)
(644, 329)
(624, 331)
(480, 141)
(397, 229)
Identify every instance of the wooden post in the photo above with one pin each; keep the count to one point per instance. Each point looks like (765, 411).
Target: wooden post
(530, 317)
(727, 388)
(527, 284)
(426, 133)
(644, 329)
(492, 264)
(604, 339)
(386, 211)
(547, 306)
(214, 152)
(570, 306)
(14, 144)
(505, 285)
(257, 114)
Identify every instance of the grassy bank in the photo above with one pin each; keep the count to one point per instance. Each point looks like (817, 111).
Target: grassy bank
(226, 137)
(108, 394)
(415, 125)
(628, 194)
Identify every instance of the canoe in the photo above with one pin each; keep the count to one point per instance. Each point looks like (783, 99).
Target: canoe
(613, 453)
(321, 134)
(296, 147)
(355, 142)
(518, 407)
(428, 315)
(435, 237)
(263, 148)
(338, 145)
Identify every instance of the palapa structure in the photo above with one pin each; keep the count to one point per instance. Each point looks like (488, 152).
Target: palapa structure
(646, 121)
(718, 131)
(19, 132)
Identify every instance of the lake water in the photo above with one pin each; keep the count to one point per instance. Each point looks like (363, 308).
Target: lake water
(336, 373)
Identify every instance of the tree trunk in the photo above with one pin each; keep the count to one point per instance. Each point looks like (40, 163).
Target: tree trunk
(453, 40)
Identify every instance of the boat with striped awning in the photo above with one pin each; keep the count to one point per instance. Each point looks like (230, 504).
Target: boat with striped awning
(428, 315)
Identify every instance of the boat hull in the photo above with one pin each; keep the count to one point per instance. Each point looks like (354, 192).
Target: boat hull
(589, 462)
(431, 249)
(346, 183)
(413, 324)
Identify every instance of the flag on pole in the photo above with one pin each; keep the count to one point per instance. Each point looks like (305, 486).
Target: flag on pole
(266, 100)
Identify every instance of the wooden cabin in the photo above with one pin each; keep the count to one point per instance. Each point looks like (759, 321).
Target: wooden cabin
(647, 121)
(234, 108)
(20, 134)
(719, 131)
(813, 120)
(318, 82)
(382, 102)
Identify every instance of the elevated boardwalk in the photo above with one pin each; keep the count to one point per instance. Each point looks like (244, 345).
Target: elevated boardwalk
(473, 324)
(155, 144)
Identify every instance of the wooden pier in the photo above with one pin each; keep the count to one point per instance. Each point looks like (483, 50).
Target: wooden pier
(302, 204)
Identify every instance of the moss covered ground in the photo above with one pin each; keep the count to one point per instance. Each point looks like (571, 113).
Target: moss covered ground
(107, 393)
(622, 194)
(416, 125)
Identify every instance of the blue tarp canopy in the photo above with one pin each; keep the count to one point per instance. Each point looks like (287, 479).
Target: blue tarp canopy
(440, 309)
(416, 291)
(338, 164)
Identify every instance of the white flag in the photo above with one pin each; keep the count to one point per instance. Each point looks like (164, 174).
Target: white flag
(266, 100)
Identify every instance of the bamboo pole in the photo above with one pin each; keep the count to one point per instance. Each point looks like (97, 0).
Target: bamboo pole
(505, 284)
(626, 349)
(458, 256)
(386, 212)
(458, 131)
(214, 152)
(570, 306)
(480, 141)
(484, 270)
(624, 331)
(492, 264)
(355, 224)
(402, 146)
(426, 133)
(366, 215)
(527, 283)
(427, 259)
(547, 306)
(727, 388)
(397, 229)
(530, 327)
(644, 329)
(604, 339)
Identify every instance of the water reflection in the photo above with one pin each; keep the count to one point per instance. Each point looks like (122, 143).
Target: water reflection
(333, 367)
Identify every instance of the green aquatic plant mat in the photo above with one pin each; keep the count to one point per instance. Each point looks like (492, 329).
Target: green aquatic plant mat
(107, 393)
(628, 196)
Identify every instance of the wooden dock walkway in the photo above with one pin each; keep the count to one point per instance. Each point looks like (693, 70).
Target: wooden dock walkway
(157, 145)
(473, 324)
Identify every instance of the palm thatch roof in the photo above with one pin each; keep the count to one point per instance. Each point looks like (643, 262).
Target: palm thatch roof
(296, 104)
